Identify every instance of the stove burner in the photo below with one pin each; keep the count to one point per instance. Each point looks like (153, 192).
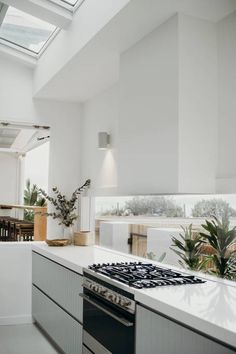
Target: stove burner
(144, 275)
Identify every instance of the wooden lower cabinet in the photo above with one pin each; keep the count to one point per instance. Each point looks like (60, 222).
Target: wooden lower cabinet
(158, 335)
(56, 305)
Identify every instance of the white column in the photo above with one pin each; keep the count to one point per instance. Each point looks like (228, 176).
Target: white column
(20, 185)
(64, 163)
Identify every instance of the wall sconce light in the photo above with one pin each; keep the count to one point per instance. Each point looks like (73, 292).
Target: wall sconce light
(103, 140)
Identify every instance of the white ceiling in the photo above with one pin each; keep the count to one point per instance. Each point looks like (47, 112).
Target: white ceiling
(96, 67)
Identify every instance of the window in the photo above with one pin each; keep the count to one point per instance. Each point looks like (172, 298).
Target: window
(191, 231)
(68, 4)
(25, 31)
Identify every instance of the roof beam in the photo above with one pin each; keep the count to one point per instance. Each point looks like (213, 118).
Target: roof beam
(43, 9)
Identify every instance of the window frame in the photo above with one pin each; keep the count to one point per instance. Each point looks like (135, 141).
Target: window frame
(18, 47)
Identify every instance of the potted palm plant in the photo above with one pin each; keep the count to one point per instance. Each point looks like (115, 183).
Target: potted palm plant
(33, 197)
(222, 241)
(188, 248)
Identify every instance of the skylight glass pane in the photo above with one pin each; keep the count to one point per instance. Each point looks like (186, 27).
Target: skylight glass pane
(25, 30)
(70, 2)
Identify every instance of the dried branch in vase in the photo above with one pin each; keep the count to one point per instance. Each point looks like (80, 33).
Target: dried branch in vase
(65, 208)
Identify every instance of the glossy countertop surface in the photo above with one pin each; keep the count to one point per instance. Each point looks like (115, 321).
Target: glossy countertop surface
(78, 257)
(209, 307)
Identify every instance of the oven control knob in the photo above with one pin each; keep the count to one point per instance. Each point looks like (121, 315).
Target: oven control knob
(110, 296)
(94, 288)
(125, 302)
(102, 291)
(117, 300)
(113, 298)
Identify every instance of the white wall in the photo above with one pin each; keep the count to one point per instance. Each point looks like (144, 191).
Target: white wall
(140, 113)
(198, 110)
(18, 105)
(100, 114)
(165, 110)
(91, 17)
(15, 91)
(36, 166)
(226, 169)
(64, 161)
(148, 116)
(8, 178)
(15, 280)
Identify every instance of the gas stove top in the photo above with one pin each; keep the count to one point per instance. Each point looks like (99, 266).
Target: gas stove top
(144, 275)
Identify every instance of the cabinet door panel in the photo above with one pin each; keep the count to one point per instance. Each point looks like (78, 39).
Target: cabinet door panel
(86, 350)
(157, 335)
(58, 282)
(61, 327)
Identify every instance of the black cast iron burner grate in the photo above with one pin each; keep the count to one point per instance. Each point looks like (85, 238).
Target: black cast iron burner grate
(144, 275)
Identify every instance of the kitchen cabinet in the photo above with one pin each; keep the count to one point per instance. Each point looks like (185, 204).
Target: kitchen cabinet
(65, 331)
(86, 350)
(156, 334)
(56, 304)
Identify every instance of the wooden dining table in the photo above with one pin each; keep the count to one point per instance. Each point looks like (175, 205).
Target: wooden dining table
(39, 224)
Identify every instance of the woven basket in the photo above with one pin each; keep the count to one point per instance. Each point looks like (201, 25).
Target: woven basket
(59, 242)
(83, 238)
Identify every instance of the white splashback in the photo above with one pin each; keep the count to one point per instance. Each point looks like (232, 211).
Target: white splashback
(159, 242)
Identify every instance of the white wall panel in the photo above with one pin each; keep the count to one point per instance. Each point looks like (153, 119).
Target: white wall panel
(15, 280)
(226, 169)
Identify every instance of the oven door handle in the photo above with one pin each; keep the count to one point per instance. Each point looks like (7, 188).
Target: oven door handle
(122, 320)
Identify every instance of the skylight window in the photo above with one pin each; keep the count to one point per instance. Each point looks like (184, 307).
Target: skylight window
(70, 2)
(25, 31)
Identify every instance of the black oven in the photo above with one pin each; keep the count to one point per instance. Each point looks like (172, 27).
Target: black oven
(108, 319)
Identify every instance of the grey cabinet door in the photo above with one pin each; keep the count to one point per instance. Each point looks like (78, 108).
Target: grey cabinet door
(60, 326)
(86, 350)
(59, 283)
(157, 335)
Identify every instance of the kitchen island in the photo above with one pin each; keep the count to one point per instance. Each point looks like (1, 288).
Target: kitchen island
(208, 309)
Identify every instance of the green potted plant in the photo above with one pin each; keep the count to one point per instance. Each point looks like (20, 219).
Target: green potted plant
(222, 240)
(64, 208)
(32, 196)
(188, 248)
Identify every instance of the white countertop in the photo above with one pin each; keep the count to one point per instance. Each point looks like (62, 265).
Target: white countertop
(209, 308)
(78, 257)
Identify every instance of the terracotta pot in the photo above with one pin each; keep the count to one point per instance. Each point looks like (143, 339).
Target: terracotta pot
(83, 238)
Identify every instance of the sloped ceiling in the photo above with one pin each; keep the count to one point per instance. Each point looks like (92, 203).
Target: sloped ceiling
(96, 67)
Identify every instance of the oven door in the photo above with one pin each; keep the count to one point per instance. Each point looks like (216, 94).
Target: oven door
(107, 329)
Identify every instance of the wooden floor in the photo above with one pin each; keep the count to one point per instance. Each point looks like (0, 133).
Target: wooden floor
(24, 339)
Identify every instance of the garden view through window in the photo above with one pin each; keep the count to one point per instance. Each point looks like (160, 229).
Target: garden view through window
(196, 232)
